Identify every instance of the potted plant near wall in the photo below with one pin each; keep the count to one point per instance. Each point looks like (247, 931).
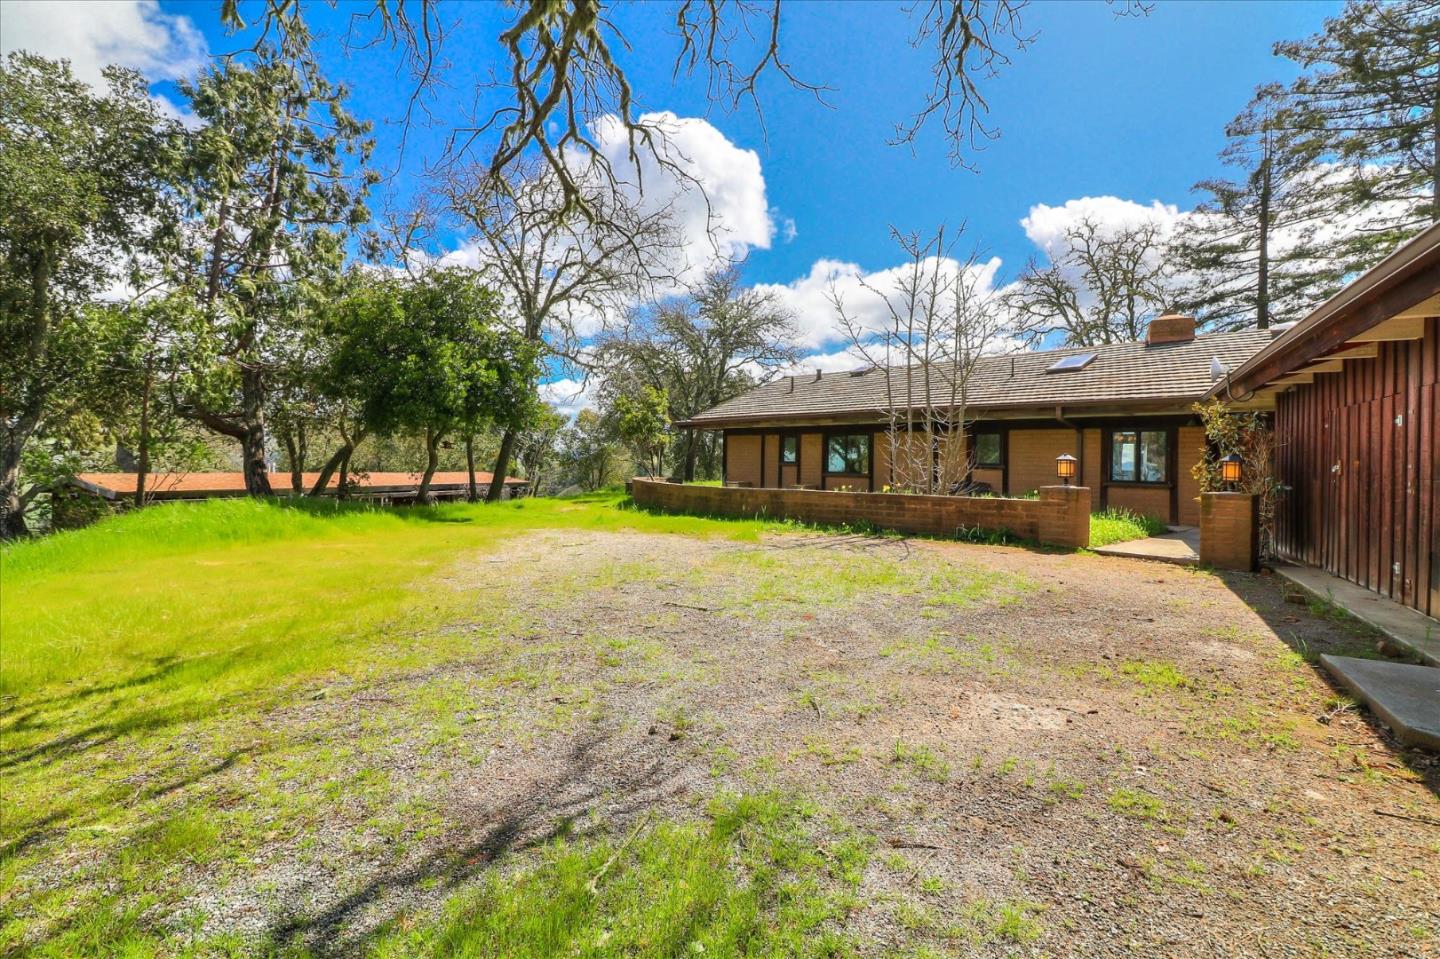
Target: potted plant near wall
(1246, 434)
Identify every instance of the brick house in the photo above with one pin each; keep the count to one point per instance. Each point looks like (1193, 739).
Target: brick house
(1124, 411)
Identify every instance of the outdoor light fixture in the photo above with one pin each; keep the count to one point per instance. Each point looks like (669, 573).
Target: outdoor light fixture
(1065, 467)
(1230, 469)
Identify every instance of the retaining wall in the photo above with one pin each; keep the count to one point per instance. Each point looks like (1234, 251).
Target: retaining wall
(1060, 517)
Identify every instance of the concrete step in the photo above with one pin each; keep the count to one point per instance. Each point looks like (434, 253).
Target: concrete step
(1402, 625)
(1404, 697)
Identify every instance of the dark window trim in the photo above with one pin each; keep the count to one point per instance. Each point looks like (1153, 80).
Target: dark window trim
(999, 434)
(825, 454)
(796, 438)
(1107, 453)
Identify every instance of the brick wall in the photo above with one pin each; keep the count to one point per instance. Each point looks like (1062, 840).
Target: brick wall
(1229, 530)
(1060, 517)
(1145, 500)
(742, 459)
(1032, 457)
(812, 458)
(1191, 440)
(1090, 459)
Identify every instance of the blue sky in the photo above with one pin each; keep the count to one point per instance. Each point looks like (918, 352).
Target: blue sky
(1098, 106)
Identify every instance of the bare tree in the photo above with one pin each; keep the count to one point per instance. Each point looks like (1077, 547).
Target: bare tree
(561, 274)
(564, 70)
(936, 320)
(701, 349)
(1103, 288)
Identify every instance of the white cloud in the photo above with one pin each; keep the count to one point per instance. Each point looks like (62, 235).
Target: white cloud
(811, 297)
(93, 34)
(717, 198)
(569, 396)
(1047, 226)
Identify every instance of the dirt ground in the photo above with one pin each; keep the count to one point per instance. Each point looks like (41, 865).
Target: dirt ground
(1131, 758)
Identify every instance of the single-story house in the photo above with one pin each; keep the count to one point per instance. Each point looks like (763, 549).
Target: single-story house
(1355, 387)
(387, 487)
(1125, 411)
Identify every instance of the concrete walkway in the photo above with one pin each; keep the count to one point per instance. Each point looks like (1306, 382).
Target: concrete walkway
(1180, 546)
(1401, 625)
(1404, 697)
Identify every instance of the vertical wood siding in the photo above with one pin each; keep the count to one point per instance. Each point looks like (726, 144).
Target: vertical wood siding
(1363, 489)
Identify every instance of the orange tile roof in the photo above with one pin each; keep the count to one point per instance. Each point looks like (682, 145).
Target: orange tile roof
(212, 484)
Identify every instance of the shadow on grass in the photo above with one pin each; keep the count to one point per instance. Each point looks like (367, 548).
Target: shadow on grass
(1313, 629)
(546, 813)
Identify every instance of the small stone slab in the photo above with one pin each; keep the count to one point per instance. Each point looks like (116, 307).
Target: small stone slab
(1404, 697)
(1180, 547)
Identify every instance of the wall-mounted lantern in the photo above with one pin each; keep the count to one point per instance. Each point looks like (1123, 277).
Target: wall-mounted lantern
(1065, 467)
(1230, 469)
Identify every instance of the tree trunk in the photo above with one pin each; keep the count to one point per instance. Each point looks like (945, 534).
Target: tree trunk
(252, 441)
(142, 466)
(502, 467)
(12, 510)
(292, 456)
(342, 488)
(1262, 290)
(692, 450)
(328, 470)
(432, 459)
(473, 495)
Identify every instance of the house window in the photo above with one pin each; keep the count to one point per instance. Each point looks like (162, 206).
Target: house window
(789, 450)
(987, 449)
(848, 454)
(1139, 456)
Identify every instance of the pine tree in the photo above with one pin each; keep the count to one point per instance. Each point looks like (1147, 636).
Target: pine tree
(1369, 103)
(1249, 255)
(272, 193)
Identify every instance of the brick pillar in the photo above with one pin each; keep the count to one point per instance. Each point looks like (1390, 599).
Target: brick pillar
(1065, 516)
(1230, 530)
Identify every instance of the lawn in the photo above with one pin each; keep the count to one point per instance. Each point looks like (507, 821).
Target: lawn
(569, 727)
(1119, 525)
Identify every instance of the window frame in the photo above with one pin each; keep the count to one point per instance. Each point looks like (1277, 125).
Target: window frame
(830, 437)
(794, 460)
(1137, 477)
(999, 462)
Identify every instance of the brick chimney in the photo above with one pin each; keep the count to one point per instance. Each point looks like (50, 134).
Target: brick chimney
(1170, 328)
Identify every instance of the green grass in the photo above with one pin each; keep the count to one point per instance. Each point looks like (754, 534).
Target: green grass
(1119, 525)
(1137, 804)
(144, 655)
(1155, 675)
(228, 596)
(754, 879)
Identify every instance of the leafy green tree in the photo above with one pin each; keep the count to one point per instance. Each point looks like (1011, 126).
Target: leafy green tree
(701, 349)
(537, 445)
(1251, 252)
(588, 455)
(271, 192)
(433, 358)
(1368, 103)
(641, 421)
(81, 203)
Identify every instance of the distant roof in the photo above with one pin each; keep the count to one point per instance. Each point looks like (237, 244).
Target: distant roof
(1121, 373)
(219, 484)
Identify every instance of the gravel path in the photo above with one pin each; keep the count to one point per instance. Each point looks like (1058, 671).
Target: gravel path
(1139, 759)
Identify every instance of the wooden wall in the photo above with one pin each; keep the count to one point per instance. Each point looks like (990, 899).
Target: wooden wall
(1363, 498)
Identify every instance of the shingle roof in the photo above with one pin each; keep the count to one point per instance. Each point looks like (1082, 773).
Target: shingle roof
(214, 484)
(1121, 373)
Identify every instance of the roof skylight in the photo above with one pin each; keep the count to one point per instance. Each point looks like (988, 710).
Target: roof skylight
(1076, 361)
